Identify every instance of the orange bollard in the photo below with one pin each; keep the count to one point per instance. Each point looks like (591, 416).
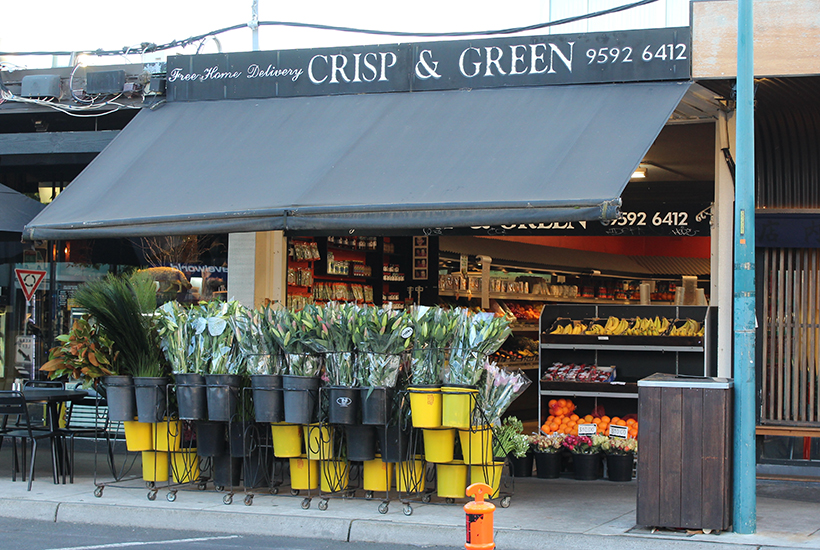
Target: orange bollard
(479, 518)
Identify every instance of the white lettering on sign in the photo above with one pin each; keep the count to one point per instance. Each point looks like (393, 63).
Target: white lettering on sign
(621, 432)
(356, 68)
(495, 61)
(587, 429)
(255, 71)
(200, 268)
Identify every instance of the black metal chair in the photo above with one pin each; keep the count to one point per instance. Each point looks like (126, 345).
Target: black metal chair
(87, 418)
(12, 403)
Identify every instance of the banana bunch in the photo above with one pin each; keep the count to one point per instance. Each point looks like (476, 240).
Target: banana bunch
(648, 327)
(613, 326)
(689, 328)
(573, 327)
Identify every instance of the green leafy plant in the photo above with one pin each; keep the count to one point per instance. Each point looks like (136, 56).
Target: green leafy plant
(174, 329)
(85, 353)
(340, 321)
(123, 305)
(510, 439)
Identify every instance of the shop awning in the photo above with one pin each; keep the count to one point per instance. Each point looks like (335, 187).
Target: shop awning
(364, 162)
(16, 210)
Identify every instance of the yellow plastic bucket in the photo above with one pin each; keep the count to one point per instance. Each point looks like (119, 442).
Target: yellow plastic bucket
(304, 474)
(410, 476)
(139, 436)
(477, 445)
(335, 475)
(457, 404)
(439, 444)
(451, 479)
(154, 466)
(318, 442)
(489, 474)
(425, 406)
(378, 475)
(184, 466)
(168, 435)
(287, 440)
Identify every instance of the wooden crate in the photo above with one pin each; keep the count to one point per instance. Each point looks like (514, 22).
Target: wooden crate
(684, 453)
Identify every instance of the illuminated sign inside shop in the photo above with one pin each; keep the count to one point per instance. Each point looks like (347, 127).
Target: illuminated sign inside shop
(622, 56)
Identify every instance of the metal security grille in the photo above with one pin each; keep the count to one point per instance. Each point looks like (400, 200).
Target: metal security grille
(790, 336)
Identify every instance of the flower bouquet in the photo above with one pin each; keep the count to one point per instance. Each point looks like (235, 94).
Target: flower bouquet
(380, 336)
(434, 330)
(478, 335)
(340, 321)
(510, 439)
(295, 332)
(547, 452)
(500, 389)
(620, 457)
(174, 329)
(586, 455)
(620, 446)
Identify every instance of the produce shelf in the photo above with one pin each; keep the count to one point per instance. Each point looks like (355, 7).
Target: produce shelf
(623, 390)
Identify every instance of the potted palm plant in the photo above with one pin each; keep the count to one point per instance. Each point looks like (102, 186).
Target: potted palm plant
(122, 305)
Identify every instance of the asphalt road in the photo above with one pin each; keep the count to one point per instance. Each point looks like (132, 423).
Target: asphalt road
(46, 535)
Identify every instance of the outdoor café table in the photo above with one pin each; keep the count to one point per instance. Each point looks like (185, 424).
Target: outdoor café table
(53, 397)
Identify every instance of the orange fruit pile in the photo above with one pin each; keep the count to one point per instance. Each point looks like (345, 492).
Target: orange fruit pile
(563, 420)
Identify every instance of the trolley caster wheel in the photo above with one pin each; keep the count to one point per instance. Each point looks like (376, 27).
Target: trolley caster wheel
(227, 499)
(505, 502)
(426, 498)
(368, 495)
(150, 484)
(306, 504)
(171, 497)
(322, 505)
(350, 494)
(219, 488)
(383, 508)
(449, 500)
(202, 486)
(98, 492)
(294, 492)
(707, 532)
(274, 490)
(152, 495)
(408, 510)
(248, 500)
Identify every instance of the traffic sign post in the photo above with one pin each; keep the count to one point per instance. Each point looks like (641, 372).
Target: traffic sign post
(29, 280)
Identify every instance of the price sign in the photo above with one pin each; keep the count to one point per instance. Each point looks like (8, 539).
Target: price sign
(587, 429)
(621, 432)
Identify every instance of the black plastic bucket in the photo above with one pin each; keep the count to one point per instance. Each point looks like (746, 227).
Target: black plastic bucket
(223, 395)
(191, 396)
(119, 394)
(210, 438)
(267, 397)
(150, 396)
(343, 405)
(361, 442)
(301, 396)
(377, 405)
(227, 471)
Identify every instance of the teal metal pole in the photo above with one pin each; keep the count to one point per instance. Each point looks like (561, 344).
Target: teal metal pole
(744, 490)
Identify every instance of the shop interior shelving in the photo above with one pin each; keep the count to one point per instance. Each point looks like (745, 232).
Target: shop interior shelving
(634, 357)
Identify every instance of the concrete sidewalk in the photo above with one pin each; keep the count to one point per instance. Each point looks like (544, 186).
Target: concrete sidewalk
(557, 513)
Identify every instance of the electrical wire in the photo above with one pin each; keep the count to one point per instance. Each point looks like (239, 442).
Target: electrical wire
(147, 47)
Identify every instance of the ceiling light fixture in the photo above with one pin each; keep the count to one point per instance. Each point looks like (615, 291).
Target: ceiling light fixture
(639, 173)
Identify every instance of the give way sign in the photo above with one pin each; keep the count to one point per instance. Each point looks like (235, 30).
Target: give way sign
(29, 280)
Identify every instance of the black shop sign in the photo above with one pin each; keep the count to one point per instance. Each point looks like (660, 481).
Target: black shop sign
(623, 56)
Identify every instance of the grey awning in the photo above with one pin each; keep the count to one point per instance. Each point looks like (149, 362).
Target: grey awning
(16, 210)
(376, 161)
